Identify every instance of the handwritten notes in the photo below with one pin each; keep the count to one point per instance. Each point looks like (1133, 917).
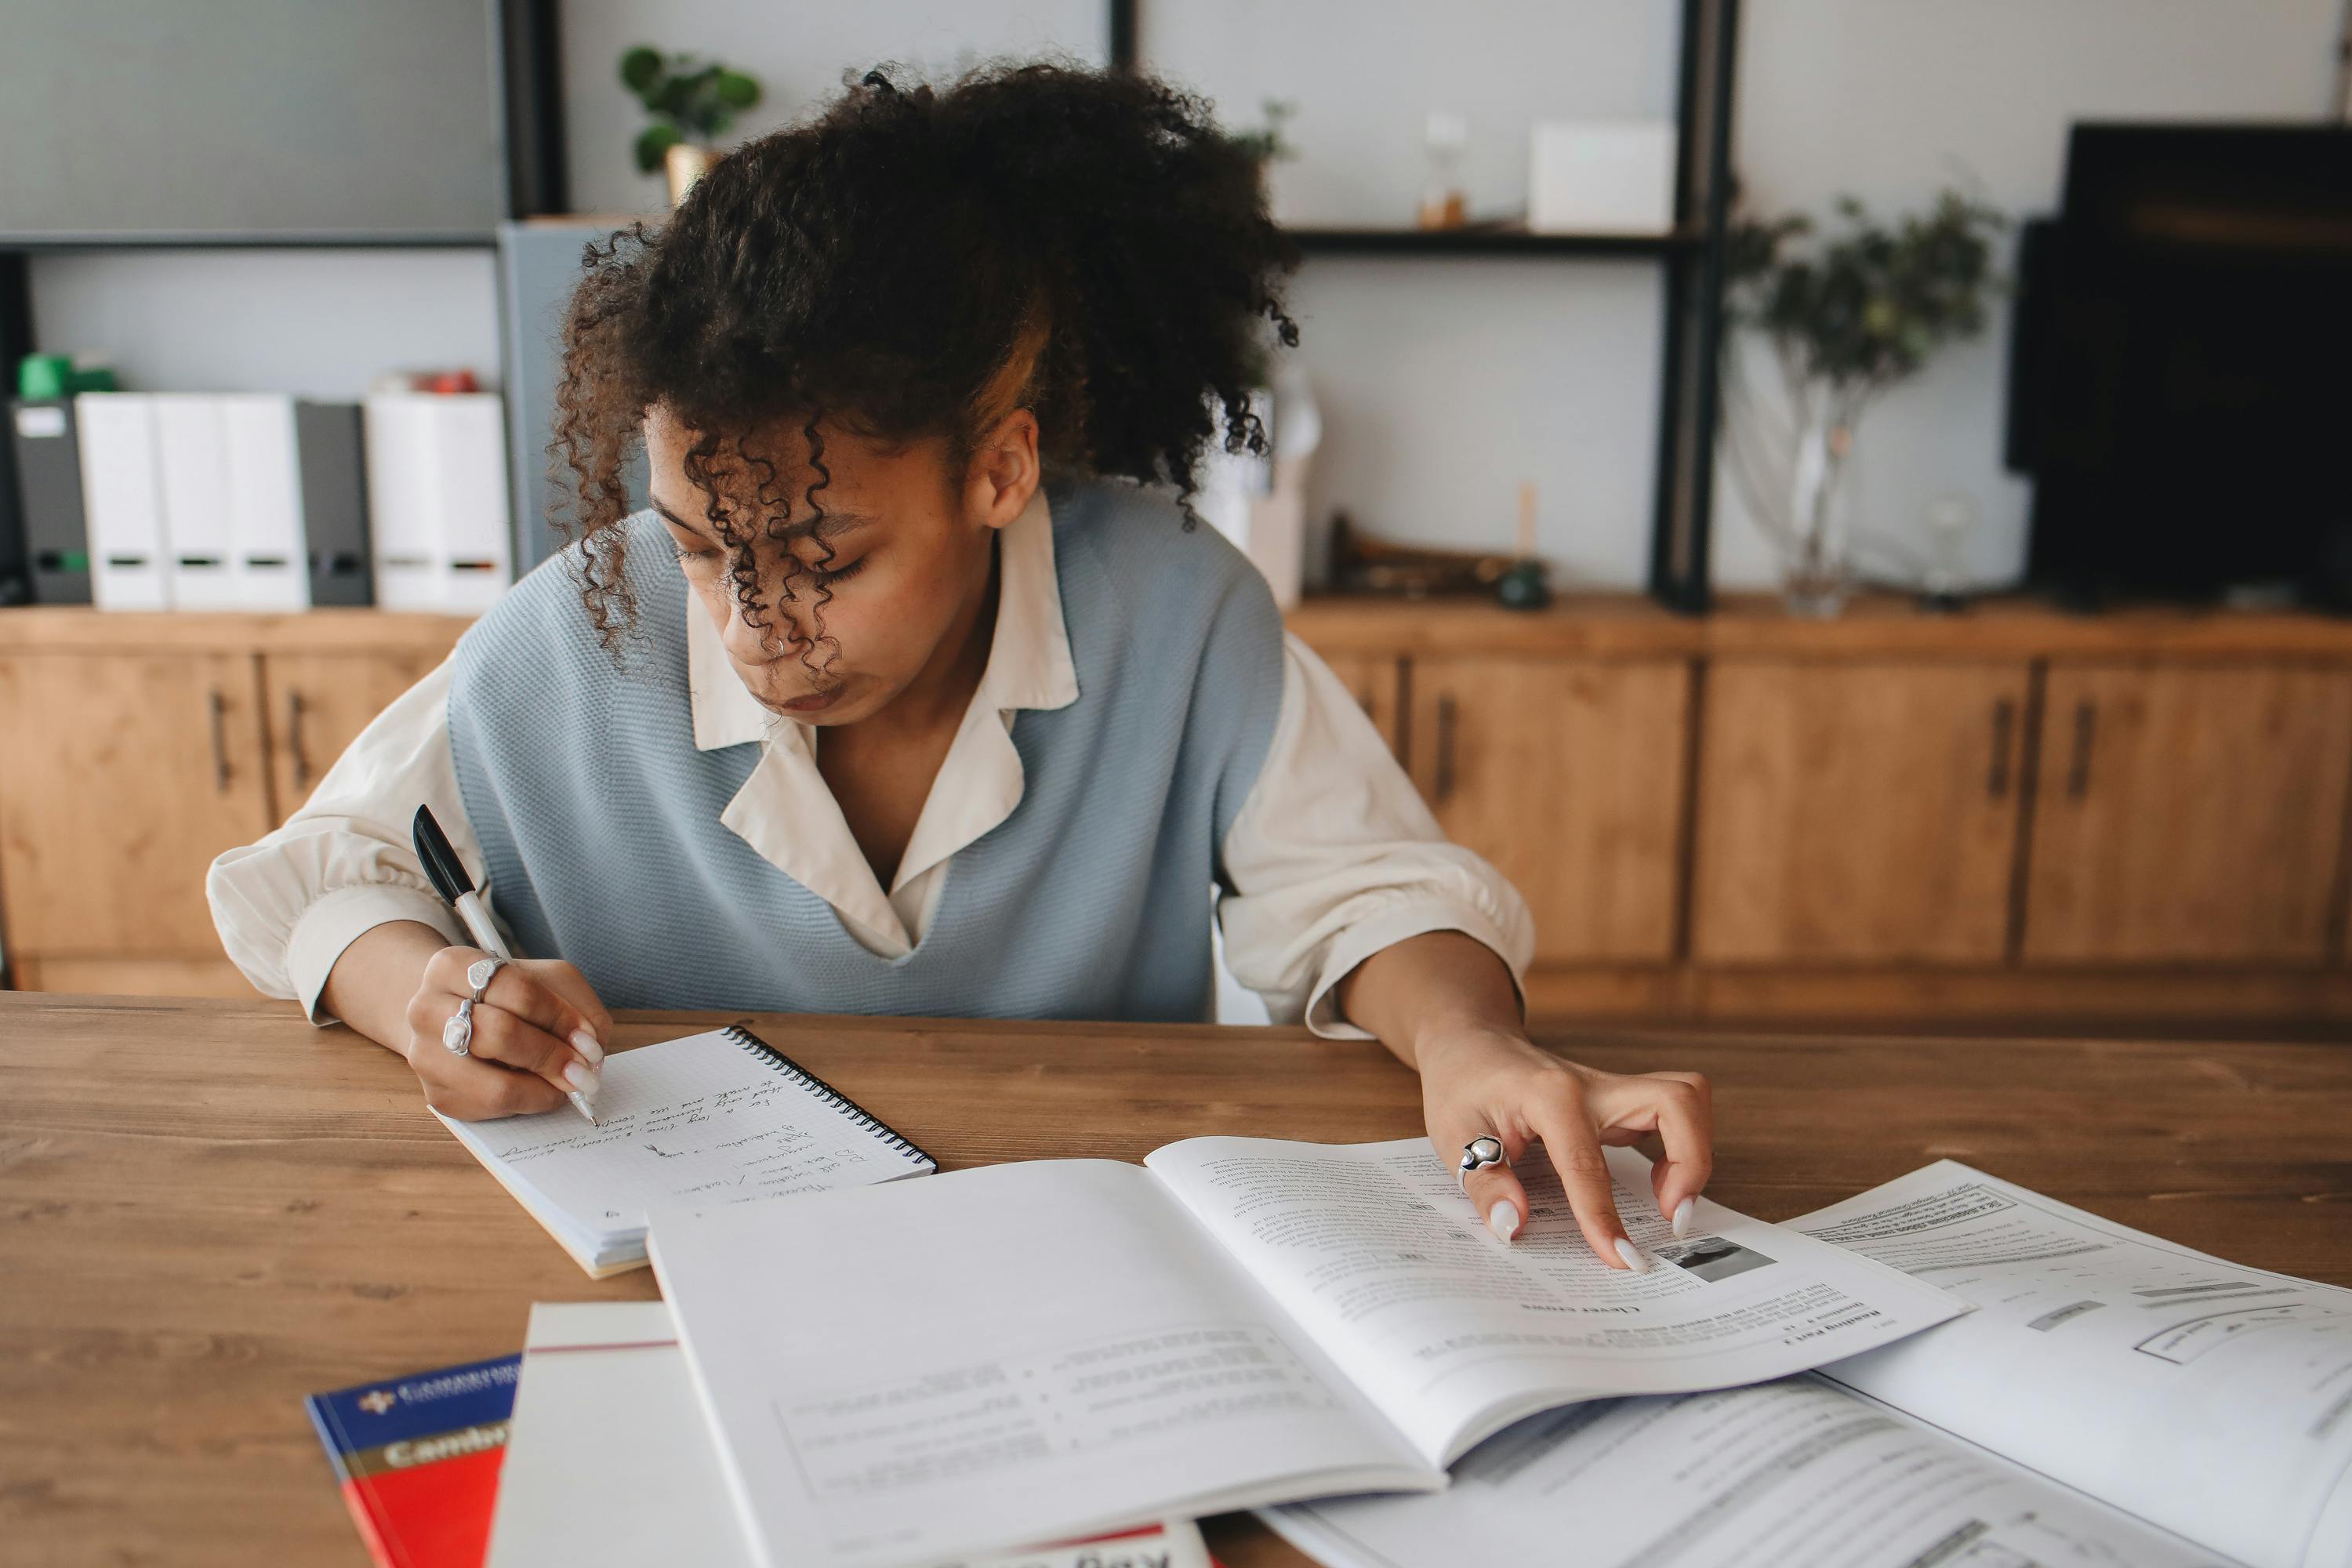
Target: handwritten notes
(707, 1117)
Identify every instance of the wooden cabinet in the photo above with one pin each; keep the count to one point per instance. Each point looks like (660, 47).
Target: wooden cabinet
(138, 747)
(1377, 684)
(318, 704)
(124, 774)
(2189, 814)
(1889, 816)
(1857, 812)
(1566, 774)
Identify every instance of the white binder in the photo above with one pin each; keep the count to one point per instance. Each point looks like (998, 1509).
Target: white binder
(438, 502)
(192, 478)
(121, 501)
(267, 534)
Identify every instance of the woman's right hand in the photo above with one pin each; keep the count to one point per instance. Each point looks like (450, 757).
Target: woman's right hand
(539, 1034)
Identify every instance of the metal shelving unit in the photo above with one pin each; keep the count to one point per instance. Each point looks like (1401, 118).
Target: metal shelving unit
(1692, 254)
(1488, 241)
(1691, 334)
(532, 106)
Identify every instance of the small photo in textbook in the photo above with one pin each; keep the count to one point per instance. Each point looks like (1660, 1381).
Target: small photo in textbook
(1712, 1257)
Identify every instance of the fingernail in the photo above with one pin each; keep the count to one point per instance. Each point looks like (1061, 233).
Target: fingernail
(1682, 1218)
(1503, 1219)
(580, 1076)
(1632, 1255)
(585, 1043)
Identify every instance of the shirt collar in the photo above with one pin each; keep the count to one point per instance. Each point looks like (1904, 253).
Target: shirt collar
(1029, 663)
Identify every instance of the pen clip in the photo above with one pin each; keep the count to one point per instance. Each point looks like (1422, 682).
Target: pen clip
(439, 858)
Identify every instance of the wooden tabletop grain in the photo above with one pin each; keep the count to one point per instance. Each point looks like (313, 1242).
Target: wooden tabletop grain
(210, 1209)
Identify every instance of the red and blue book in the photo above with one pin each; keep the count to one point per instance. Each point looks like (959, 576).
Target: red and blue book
(418, 1459)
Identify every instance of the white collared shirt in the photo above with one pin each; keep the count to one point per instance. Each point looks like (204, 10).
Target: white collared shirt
(1331, 857)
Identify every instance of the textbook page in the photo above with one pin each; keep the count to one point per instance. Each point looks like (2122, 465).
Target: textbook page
(2211, 1399)
(1799, 1471)
(1376, 1252)
(609, 1461)
(903, 1374)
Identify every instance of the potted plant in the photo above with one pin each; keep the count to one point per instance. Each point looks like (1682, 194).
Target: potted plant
(1847, 315)
(692, 103)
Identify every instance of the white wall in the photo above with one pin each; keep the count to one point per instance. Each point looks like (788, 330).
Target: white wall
(798, 52)
(319, 323)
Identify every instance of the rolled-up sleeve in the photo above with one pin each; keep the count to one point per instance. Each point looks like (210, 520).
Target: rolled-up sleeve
(288, 906)
(1333, 856)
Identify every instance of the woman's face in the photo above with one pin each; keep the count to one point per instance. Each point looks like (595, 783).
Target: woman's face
(908, 567)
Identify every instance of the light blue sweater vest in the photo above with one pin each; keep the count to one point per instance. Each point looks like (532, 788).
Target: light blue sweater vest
(599, 820)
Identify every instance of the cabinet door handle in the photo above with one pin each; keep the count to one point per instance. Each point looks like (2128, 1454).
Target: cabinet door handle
(2078, 766)
(1444, 747)
(2004, 722)
(294, 740)
(217, 708)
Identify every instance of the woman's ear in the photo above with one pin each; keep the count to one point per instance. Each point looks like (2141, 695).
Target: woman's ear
(1004, 472)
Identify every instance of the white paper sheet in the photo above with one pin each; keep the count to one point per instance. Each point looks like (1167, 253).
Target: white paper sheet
(2211, 1399)
(705, 1118)
(1794, 1474)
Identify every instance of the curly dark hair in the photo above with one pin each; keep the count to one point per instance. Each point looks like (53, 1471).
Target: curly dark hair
(916, 262)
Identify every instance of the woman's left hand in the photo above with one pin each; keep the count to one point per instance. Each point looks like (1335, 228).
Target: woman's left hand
(1482, 1082)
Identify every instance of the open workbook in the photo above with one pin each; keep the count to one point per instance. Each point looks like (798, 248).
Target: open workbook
(719, 1116)
(2113, 1399)
(899, 1374)
(609, 1463)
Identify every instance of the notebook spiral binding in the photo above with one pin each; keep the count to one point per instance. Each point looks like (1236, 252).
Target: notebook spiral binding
(826, 1092)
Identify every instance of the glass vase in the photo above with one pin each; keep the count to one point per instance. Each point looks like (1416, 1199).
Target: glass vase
(1816, 567)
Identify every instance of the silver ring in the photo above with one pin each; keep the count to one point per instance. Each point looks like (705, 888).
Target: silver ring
(458, 1034)
(1477, 1154)
(481, 971)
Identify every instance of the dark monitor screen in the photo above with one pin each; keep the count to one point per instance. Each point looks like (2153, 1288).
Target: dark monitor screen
(2182, 380)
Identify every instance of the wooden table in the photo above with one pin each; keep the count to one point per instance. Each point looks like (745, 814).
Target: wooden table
(210, 1209)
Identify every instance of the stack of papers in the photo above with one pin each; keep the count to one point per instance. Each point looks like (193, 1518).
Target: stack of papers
(609, 1461)
(2113, 1399)
(1947, 1370)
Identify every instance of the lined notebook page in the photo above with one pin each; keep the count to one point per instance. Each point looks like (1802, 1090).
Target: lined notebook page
(714, 1117)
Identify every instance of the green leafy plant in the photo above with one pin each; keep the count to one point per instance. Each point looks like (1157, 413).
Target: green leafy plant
(690, 99)
(1267, 143)
(1868, 304)
(1847, 313)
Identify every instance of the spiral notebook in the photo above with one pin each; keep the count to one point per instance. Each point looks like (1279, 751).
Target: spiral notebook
(719, 1118)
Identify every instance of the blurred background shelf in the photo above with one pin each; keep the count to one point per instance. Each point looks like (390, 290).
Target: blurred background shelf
(1482, 240)
(215, 239)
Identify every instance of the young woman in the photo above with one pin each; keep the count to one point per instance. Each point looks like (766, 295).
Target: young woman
(915, 691)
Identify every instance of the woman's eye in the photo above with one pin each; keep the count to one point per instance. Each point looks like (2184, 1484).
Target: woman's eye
(840, 573)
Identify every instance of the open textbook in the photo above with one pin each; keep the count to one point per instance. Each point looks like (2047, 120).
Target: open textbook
(899, 1374)
(608, 1461)
(2210, 1400)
